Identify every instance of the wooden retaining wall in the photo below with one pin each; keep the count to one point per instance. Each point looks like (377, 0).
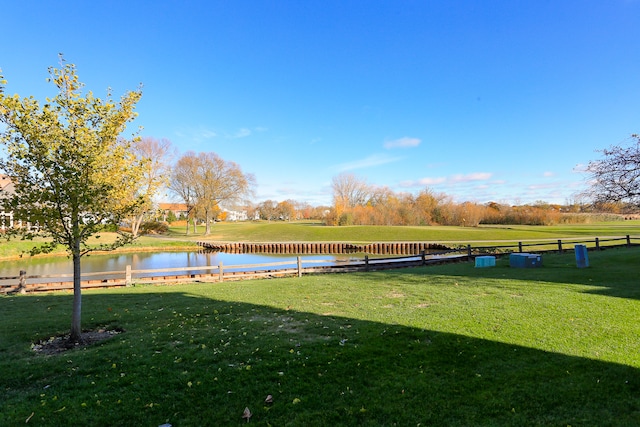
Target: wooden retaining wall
(385, 248)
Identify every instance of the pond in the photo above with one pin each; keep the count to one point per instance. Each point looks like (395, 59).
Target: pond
(151, 260)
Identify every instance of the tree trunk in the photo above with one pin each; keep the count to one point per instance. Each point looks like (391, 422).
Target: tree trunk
(76, 328)
(207, 227)
(135, 225)
(22, 283)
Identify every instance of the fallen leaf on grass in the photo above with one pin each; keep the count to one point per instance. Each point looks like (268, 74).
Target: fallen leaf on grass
(269, 399)
(247, 414)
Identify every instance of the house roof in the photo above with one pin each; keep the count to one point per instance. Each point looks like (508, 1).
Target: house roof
(172, 206)
(6, 186)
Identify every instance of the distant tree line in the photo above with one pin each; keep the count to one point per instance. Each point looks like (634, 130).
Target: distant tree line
(209, 185)
(355, 202)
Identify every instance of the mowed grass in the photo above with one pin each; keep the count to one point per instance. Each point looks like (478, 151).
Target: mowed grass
(446, 345)
(313, 232)
(15, 248)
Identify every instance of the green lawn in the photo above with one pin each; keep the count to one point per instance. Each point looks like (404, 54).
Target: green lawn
(443, 345)
(15, 248)
(315, 232)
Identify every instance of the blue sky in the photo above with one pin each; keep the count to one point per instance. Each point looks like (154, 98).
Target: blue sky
(482, 100)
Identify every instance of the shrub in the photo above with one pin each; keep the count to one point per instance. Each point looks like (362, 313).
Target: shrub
(154, 227)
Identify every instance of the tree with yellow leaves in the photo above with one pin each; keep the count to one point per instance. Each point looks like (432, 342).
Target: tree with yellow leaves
(69, 166)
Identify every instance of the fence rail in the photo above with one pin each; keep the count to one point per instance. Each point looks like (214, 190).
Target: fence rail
(558, 245)
(217, 273)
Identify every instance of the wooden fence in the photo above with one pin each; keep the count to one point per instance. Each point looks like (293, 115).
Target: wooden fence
(297, 267)
(553, 245)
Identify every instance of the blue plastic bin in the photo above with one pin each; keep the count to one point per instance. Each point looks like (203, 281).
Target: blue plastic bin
(582, 258)
(525, 260)
(485, 261)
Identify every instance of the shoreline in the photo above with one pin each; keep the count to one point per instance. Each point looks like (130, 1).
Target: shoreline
(118, 250)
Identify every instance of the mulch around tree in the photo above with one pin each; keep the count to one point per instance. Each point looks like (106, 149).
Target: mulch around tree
(61, 343)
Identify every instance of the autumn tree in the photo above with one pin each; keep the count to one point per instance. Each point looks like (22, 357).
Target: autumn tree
(183, 183)
(349, 190)
(251, 209)
(206, 182)
(286, 210)
(268, 210)
(426, 204)
(304, 210)
(69, 167)
(469, 214)
(154, 156)
(616, 176)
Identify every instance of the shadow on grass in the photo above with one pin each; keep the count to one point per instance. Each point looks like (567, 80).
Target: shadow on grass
(189, 360)
(612, 272)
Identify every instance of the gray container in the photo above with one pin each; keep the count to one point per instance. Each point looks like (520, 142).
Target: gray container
(525, 260)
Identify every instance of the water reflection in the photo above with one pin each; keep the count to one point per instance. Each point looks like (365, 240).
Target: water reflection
(150, 260)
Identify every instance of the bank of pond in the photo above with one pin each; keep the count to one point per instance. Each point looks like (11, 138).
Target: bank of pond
(235, 261)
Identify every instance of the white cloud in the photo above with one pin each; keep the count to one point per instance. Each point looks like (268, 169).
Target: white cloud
(544, 186)
(242, 133)
(196, 135)
(402, 143)
(478, 176)
(203, 134)
(245, 132)
(432, 181)
(580, 168)
(423, 182)
(206, 134)
(448, 181)
(548, 174)
(367, 162)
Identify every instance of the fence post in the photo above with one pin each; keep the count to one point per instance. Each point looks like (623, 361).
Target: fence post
(366, 263)
(597, 244)
(559, 245)
(220, 272)
(127, 276)
(520, 247)
(628, 240)
(22, 283)
(469, 252)
(424, 258)
(299, 266)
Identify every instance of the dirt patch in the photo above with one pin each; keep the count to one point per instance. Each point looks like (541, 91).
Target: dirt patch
(61, 343)
(395, 294)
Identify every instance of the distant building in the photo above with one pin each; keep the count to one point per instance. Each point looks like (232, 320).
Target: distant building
(236, 215)
(180, 210)
(6, 188)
